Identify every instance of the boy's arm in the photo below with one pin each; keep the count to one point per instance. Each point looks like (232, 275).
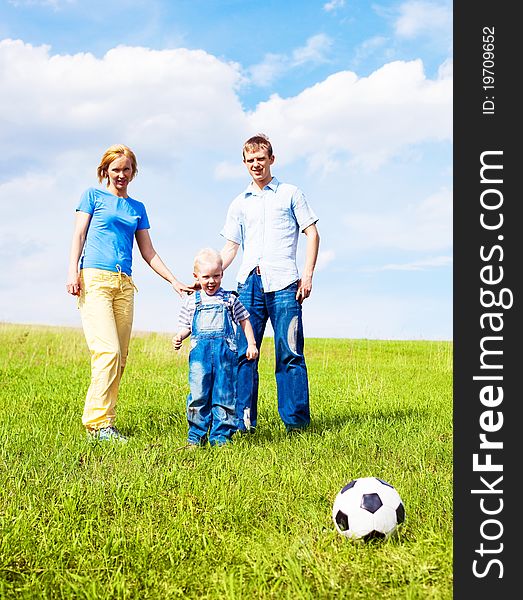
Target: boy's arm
(252, 351)
(179, 337)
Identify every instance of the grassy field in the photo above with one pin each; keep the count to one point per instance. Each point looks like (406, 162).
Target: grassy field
(150, 520)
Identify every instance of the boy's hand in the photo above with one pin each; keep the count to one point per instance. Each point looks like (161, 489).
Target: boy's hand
(177, 341)
(252, 352)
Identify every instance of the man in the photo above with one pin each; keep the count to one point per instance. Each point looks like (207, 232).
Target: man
(266, 220)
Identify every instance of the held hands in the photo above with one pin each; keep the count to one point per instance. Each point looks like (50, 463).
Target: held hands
(180, 288)
(252, 352)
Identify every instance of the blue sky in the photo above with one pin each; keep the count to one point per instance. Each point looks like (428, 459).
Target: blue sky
(355, 96)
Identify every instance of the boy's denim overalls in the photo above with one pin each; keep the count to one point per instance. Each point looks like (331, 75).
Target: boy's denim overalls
(213, 363)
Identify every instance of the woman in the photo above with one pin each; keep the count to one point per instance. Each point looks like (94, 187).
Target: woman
(107, 221)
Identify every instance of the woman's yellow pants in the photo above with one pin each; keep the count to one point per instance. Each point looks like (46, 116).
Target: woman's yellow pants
(106, 306)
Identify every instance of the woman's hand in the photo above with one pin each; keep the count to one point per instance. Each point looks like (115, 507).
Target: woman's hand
(73, 286)
(181, 288)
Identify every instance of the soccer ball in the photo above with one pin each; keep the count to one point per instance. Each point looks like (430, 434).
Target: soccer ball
(368, 508)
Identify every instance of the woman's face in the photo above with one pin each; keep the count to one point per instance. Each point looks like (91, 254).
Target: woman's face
(120, 173)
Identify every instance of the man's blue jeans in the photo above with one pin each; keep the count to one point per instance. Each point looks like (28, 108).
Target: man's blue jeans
(285, 314)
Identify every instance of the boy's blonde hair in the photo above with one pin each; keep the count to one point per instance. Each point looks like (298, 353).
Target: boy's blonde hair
(112, 153)
(207, 255)
(257, 142)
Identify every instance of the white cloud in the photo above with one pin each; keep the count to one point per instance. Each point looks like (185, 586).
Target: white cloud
(368, 47)
(365, 121)
(421, 18)
(264, 73)
(446, 69)
(159, 100)
(274, 65)
(333, 5)
(314, 51)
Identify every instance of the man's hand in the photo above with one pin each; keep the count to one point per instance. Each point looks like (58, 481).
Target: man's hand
(311, 254)
(304, 288)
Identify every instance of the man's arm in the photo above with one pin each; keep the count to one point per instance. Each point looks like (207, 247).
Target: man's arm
(229, 252)
(311, 255)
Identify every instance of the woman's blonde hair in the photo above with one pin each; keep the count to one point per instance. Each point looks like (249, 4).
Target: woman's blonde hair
(111, 154)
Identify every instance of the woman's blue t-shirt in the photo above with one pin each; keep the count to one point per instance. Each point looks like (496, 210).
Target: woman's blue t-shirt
(110, 235)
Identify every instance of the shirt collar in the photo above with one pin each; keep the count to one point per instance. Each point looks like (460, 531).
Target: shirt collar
(252, 189)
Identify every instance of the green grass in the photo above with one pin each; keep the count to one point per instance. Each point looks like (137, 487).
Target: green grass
(148, 520)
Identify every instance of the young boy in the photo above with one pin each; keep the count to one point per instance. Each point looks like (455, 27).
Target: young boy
(210, 317)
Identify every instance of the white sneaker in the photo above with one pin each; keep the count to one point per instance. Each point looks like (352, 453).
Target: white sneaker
(107, 434)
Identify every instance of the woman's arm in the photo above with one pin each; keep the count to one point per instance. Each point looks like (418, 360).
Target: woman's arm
(152, 258)
(81, 225)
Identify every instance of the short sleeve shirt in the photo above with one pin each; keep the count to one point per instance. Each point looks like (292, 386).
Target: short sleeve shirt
(266, 223)
(238, 310)
(110, 236)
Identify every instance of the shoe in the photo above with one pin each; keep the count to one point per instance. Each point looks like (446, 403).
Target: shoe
(107, 434)
(189, 446)
(295, 430)
(245, 431)
(220, 444)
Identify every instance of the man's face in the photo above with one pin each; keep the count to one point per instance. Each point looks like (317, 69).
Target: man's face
(258, 164)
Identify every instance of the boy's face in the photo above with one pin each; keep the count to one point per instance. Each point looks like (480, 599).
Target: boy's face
(258, 164)
(209, 276)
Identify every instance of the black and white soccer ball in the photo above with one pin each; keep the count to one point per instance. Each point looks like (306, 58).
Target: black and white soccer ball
(368, 508)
